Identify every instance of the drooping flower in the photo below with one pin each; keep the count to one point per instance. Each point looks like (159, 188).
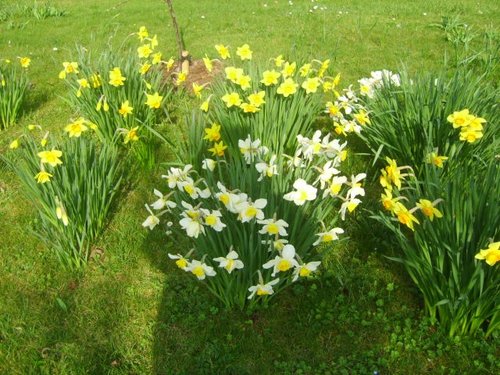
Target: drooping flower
(162, 201)
(250, 149)
(303, 192)
(43, 177)
(283, 262)
(180, 261)
(491, 255)
(151, 221)
(61, 212)
(348, 205)
(208, 164)
(230, 262)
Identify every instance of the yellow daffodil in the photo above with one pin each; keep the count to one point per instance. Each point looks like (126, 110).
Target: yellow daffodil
(95, 79)
(144, 51)
(287, 88)
(154, 41)
(428, 209)
(76, 128)
(14, 144)
(270, 77)
(491, 255)
(311, 85)
(233, 74)
(223, 51)
(125, 109)
(305, 70)
(218, 149)
(288, 69)
(156, 58)
(437, 160)
(324, 66)
(388, 201)
(50, 157)
(362, 118)
(249, 108)
(181, 78)
(143, 33)
(144, 68)
(43, 177)
(131, 135)
(278, 61)
(244, 82)
(244, 52)
(69, 68)
(460, 118)
(204, 105)
(208, 64)
(257, 99)
(405, 216)
(116, 78)
(232, 99)
(154, 101)
(470, 135)
(212, 134)
(197, 89)
(170, 64)
(25, 62)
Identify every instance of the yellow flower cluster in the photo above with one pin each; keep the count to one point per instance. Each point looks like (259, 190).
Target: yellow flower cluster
(390, 179)
(471, 127)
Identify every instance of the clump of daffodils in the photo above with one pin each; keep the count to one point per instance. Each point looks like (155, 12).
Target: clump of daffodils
(14, 86)
(369, 85)
(471, 126)
(401, 207)
(253, 202)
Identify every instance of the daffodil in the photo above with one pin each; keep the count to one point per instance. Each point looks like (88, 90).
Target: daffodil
(252, 210)
(212, 219)
(76, 128)
(273, 227)
(25, 62)
(156, 58)
(69, 68)
(470, 135)
(250, 149)
(311, 85)
(162, 201)
(270, 77)
(14, 144)
(144, 51)
(131, 135)
(95, 79)
(200, 270)
(218, 149)
(244, 52)
(50, 157)
(405, 216)
(362, 118)
(428, 209)
(249, 108)
(181, 78)
(288, 69)
(223, 51)
(180, 261)
(212, 134)
(267, 169)
(388, 201)
(491, 255)
(170, 63)
(208, 164)
(144, 68)
(278, 61)
(324, 66)
(142, 33)
(436, 159)
(43, 177)
(209, 66)
(262, 289)
(287, 88)
(305, 70)
(334, 186)
(197, 89)
(232, 99)
(349, 205)
(257, 98)
(305, 270)
(116, 78)
(152, 220)
(61, 213)
(204, 106)
(154, 101)
(328, 236)
(303, 192)
(283, 262)
(230, 262)
(233, 74)
(460, 118)
(244, 81)
(125, 109)
(191, 221)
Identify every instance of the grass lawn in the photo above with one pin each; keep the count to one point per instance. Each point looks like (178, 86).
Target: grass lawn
(132, 311)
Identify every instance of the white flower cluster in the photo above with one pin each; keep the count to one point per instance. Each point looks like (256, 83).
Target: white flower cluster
(368, 86)
(347, 113)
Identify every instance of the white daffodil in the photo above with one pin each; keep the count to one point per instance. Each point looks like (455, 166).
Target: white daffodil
(152, 220)
(162, 201)
(310, 147)
(303, 192)
(191, 221)
(356, 188)
(230, 262)
(305, 270)
(208, 164)
(262, 289)
(273, 227)
(267, 170)
(351, 126)
(188, 185)
(61, 212)
(349, 205)
(250, 149)
(200, 270)
(231, 200)
(180, 261)
(326, 173)
(252, 210)
(212, 219)
(328, 236)
(176, 175)
(283, 262)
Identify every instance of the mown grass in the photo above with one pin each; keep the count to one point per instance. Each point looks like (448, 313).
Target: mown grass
(132, 311)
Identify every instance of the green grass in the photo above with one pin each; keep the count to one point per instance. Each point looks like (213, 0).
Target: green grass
(132, 311)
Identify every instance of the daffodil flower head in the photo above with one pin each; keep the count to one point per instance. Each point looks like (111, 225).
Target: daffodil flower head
(154, 101)
(305, 270)
(287, 88)
(405, 216)
(328, 236)
(50, 157)
(428, 208)
(223, 51)
(262, 289)
(270, 77)
(213, 219)
(42, 177)
(76, 128)
(212, 134)
(181, 262)
(230, 262)
(303, 192)
(273, 227)
(282, 262)
(491, 255)
(151, 221)
(61, 212)
(244, 52)
(200, 270)
(116, 78)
